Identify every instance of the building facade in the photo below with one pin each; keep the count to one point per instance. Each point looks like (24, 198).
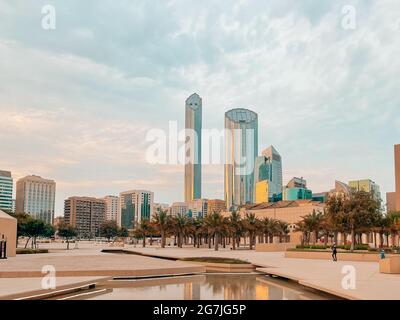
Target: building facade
(216, 205)
(86, 214)
(193, 125)
(178, 209)
(296, 189)
(241, 147)
(36, 196)
(366, 185)
(6, 190)
(262, 191)
(134, 206)
(274, 160)
(112, 203)
(197, 208)
(391, 201)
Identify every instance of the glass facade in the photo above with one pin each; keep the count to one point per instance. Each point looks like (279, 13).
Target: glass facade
(193, 124)
(275, 172)
(6, 190)
(241, 147)
(135, 205)
(292, 194)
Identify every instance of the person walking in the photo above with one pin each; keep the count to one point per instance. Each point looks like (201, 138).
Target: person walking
(334, 252)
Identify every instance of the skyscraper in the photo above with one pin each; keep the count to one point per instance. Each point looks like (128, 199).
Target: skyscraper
(366, 185)
(36, 196)
(86, 214)
(111, 207)
(193, 124)
(134, 206)
(275, 163)
(397, 173)
(6, 190)
(241, 147)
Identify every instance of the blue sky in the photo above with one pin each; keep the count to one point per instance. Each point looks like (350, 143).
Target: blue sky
(76, 102)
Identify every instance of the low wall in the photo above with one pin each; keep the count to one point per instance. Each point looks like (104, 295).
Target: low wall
(341, 256)
(274, 247)
(8, 231)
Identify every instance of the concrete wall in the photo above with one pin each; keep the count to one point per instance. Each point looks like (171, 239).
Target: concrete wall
(8, 229)
(365, 257)
(274, 247)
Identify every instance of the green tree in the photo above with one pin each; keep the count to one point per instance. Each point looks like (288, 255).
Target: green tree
(67, 232)
(109, 230)
(251, 225)
(143, 230)
(235, 228)
(161, 222)
(312, 223)
(215, 224)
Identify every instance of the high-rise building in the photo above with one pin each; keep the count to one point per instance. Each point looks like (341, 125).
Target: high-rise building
(241, 147)
(193, 124)
(366, 185)
(216, 205)
(397, 173)
(296, 189)
(112, 203)
(262, 192)
(274, 160)
(36, 196)
(179, 209)
(6, 190)
(134, 206)
(197, 208)
(391, 201)
(86, 214)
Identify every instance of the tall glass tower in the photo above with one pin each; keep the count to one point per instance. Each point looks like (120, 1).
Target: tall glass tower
(193, 124)
(275, 162)
(6, 190)
(241, 147)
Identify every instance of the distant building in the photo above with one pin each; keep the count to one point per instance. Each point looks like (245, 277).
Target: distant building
(197, 208)
(393, 198)
(262, 191)
(178, 208)
(296, 189)
(6, 190)
(58, 221)
(320, 196)
(366, 185)
(241, 147)
(86, 214)
(135, 205)
(160, 207)
(193, 123)
(36, 196)
(112, 203)
(216, 205)
(341, 188)
(274, 161)
(391, 201)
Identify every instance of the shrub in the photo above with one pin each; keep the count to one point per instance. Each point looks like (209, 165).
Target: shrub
(31, 251)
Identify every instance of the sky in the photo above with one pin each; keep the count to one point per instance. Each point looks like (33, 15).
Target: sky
(77, 101)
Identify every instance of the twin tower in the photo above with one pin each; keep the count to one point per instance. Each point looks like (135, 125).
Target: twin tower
(241, 143)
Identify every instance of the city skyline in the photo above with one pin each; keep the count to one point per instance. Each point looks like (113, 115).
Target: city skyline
(88, 134)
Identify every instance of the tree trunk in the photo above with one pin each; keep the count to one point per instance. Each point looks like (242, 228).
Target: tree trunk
(144, 241)
(353, 239)
(67, 244)
(162, 239)
(216, 241)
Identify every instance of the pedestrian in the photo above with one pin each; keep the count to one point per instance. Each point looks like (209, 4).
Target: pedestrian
(334, 252)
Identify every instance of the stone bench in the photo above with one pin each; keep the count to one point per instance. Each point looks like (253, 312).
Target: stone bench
(389, 265)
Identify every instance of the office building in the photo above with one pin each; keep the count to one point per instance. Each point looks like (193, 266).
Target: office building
(262, 191)
(86, 214)
(216, 205)
(274, 160)
(391, 201)
(36, 196)
(193, 124)
(134, 206)
(241, 147)
(6, 190)
(179, 209)
(112, 203)
(366, 185)
(197, 208)
(160, 207)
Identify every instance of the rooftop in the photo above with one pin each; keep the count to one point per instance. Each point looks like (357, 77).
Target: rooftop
(283, 204)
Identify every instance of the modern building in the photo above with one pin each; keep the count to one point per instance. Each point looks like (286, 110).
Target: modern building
(179, 209)
(86, 214)
(341, 188)
(135, 205)
(262, 192)
(197, 208)
(36, 196)
(193, 124)
(58, 221)
(6, 190)
(320, 196)
(275, 171)
(397, 174)
(241, 147)
(391, 201)
(296, 189)
(112, 203)
(216, 205)
(160, 207)
(366, 185)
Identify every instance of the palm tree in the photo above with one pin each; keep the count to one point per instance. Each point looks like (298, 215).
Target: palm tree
(216, 225)
(283, 230)
(251, 225)
(235, 228)
(161, 224)
(312, 223)
(142, 230)
(393, 225)
(179, 226)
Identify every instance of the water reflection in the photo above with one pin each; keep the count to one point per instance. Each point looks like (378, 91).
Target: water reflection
(205, 287)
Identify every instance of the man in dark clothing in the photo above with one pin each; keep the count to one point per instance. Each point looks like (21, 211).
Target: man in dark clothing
(334, 252)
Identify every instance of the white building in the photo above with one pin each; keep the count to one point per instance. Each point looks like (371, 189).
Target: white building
(178, 208)
(134, 205)
(36, 196)
(112, 206)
